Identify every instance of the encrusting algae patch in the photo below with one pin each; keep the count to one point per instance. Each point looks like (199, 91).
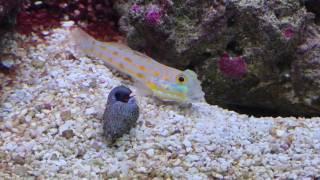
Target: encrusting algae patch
(50, 128)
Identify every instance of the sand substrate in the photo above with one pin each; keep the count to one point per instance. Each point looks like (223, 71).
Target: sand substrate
(50, 127)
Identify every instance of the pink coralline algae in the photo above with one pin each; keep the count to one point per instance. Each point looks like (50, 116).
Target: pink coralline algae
(234, 68)
(288, 33)
(153, 15)
(136, 9)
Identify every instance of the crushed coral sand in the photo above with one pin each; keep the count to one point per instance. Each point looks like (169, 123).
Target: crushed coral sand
(50, 127)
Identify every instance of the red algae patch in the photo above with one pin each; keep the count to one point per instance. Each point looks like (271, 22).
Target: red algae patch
(234, 68)
(95, 16)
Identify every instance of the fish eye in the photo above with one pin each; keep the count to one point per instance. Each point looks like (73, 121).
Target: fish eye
(181, 79)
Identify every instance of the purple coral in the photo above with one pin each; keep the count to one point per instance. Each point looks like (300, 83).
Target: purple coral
(153, 16)
(234, 68)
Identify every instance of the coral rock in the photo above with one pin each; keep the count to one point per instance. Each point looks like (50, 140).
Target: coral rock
(232, 67)
(193, 34)
(8, 10)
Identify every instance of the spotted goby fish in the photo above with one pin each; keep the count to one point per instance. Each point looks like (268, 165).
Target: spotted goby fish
(152, 78)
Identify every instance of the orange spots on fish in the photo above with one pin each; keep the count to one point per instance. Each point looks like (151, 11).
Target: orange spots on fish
(110, 59)
(87, 51)
(101, 56)
(115, 53)
(128, 60)
(142, 68)
(166, 78)
(140, 75)
(156, 74)
(130, 71)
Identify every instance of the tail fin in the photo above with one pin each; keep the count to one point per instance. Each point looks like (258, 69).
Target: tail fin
(81, 40)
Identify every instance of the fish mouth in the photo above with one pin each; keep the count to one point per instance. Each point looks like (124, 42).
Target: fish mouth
(197, 97)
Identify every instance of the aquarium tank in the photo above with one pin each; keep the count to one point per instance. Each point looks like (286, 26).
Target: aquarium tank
(160, 89)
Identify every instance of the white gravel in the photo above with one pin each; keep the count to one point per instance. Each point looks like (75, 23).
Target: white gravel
(50, 127)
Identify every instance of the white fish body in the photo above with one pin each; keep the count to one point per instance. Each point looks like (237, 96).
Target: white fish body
(164, 82)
